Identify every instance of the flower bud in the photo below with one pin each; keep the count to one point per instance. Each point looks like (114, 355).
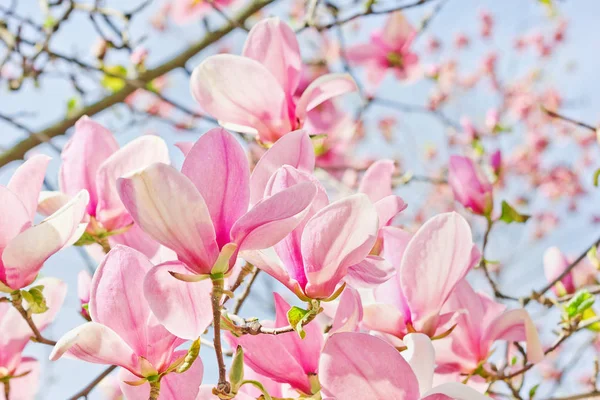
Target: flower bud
(470, 187)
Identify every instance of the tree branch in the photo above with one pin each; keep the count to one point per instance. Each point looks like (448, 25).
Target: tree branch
(18, 151)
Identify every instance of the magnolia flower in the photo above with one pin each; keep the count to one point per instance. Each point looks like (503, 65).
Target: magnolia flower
(23, 372)
(92, 160)
(202, 212)
(124, 332)
(326, 248)
(284, 358)
(24, 247)
(361, 366)
(481, 322)
(388, 49)
(254, 93)
(429, 266)
(470, 187)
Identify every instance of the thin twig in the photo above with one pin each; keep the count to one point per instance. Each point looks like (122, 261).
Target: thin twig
(554, 114)
(86, 390)
(17, 302)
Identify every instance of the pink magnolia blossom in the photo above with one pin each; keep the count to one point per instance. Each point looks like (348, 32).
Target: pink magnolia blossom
(481, 322)
(429, 266)
(15, 336)
(470, 187)
(326, 248)
(187, 11)
(388, 49)
(25, 247)
(284, 358)
(555, 263)
(361, 366)
(124, 332)
(254, 93)
(92, 160)
(202, 212)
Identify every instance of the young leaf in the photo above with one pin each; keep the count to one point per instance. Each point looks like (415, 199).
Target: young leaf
(35, 298)
(579, 303)
(296, 317)
(510, 215)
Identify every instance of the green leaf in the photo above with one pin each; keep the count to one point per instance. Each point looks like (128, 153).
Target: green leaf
(596, 177)
(85, 239)
(72, 106)
(513, 360)
(510, 215)
(190, 357)
(581, 301)
(478, 147)
(260, 387)
(113, 82)
(35, 298)
(236, 372)
(533, 390)
(49, 22)
(296, 317)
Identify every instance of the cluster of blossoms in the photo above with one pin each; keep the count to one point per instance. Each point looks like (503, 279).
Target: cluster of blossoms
(384, 312)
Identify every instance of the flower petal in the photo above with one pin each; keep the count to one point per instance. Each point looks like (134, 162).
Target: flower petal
(119, 281)
(183, 308)
(51, 202)
(515, 326)
(173, 386)
(15, 216)
(349, 312)
(273, 44)
(274, 218)
(377, 180)
(346, 373)
(456, 391)
(294, 149)
(268, 261)
(27, 182)
(370, 272)
(86, 150)
(95, 343)
(217, 165)
(135, 155)
(338, 236)
(26, 386)
(420, 355)
(167, 205)
(438, 257)
(384, 318)
(388, 208)
(24, 255)
(322, 89)
(241, 91)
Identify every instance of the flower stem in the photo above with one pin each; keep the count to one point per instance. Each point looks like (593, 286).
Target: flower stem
(154, 390)
(223, 386)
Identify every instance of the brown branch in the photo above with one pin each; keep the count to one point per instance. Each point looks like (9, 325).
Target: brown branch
(223, 386)
(483, 264)
(367, 12)
(538, 294)
(244, 295)
(568, 119)
(581, 396)
(18, 151)
(86, 390)
(17, 302)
